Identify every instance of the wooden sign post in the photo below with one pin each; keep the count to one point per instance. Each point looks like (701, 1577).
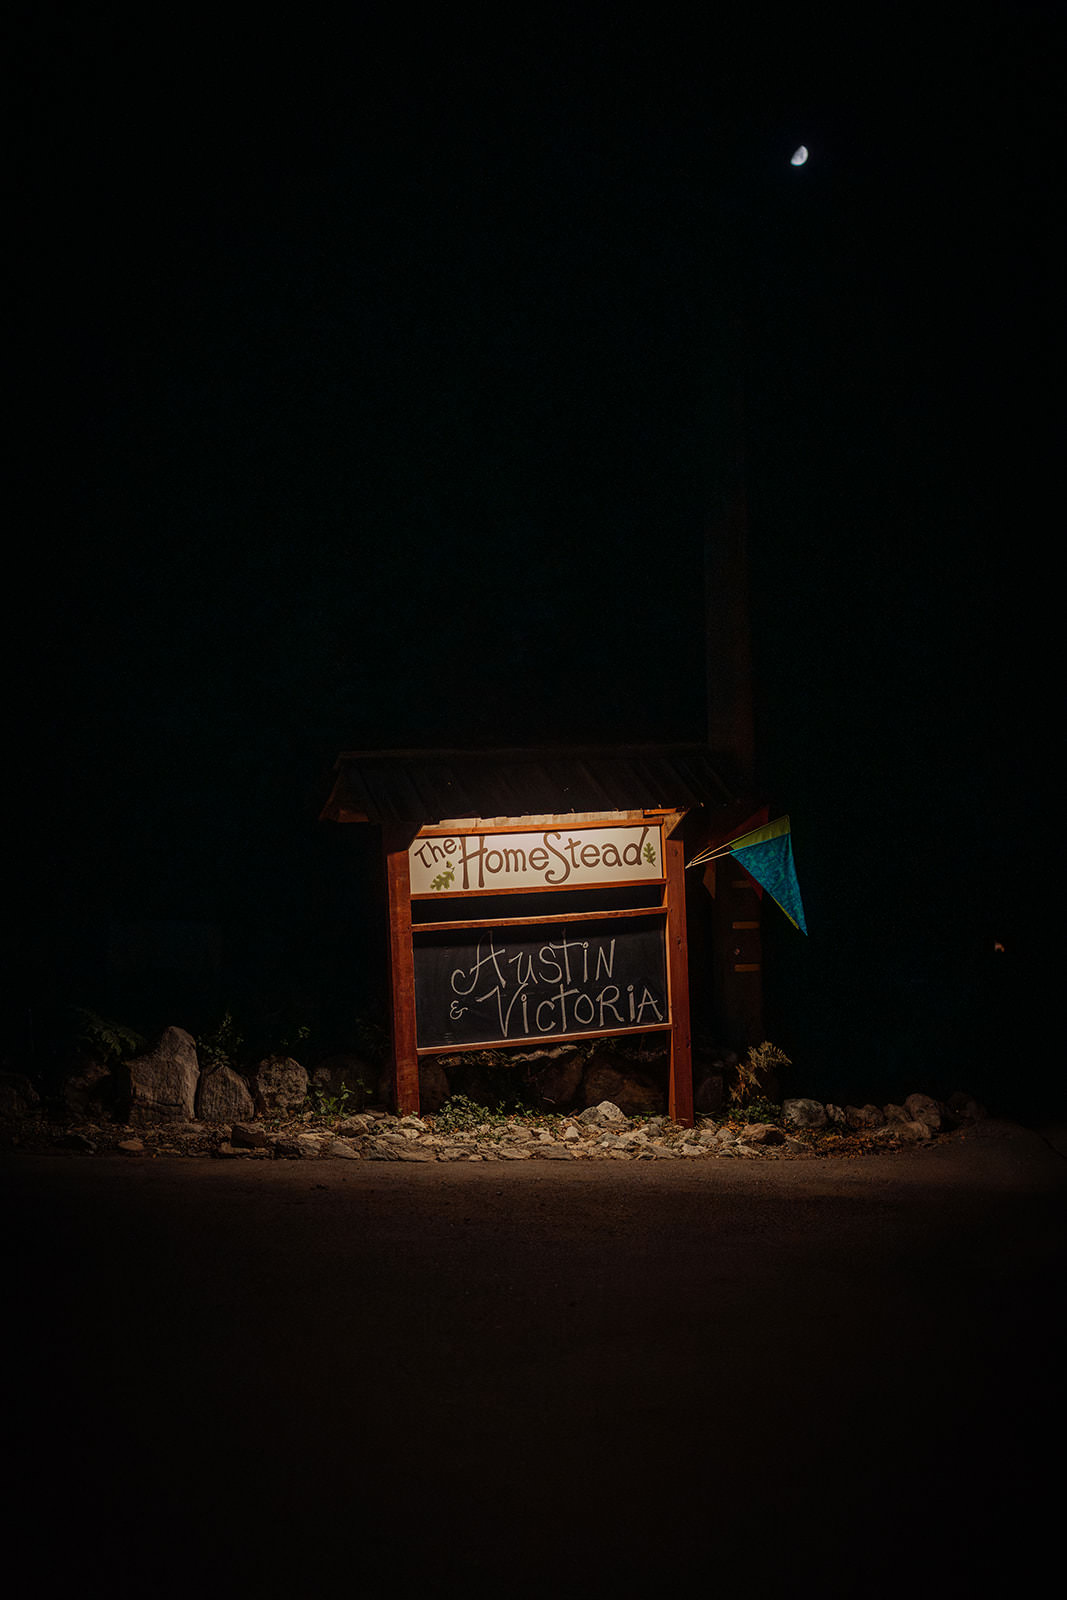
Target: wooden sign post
(528, 931)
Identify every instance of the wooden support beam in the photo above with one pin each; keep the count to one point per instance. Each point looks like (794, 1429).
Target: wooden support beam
(395, 842)
(680, 1086)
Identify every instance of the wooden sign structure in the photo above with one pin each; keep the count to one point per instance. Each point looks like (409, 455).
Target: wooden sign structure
(536, 930)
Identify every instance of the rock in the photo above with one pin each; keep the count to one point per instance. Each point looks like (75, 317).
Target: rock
(342, 1148)
(249, 1138)
(633, 1139)
(279, 1084)
(383, 1150)
(18, 1097)
(637, 1094)
(761, 1133)
(288, 1149)
(551, 1152)
(556, 1083)
(161, 1086)
(922, 1108)
(223, 1095)
(352, 1127)
(804, 1113)
(902, 1133)
(605, 1115)
(864, 1117)
(131, 1147)
(87, 1090)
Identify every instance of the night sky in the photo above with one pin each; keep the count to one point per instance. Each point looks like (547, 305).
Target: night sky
(378, 388)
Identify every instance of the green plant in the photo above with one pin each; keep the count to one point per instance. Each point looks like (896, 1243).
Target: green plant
(221, 1048)
(108, 1041)
(322, 1102)
(757, 1110)
(325, 1104)
(752, 1072)
(459, 1114)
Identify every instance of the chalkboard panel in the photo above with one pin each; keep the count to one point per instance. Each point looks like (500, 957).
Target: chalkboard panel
(480, 986)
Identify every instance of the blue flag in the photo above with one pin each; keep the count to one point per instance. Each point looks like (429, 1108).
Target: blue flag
(767, 853)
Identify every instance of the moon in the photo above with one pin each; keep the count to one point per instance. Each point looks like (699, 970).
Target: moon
(799, 156)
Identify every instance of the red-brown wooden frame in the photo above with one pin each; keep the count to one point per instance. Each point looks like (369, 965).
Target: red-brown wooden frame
(395, 844)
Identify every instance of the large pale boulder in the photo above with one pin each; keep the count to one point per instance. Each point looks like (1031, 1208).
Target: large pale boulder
(605, 1115)
(161, 1086)
(803, 1113)
(223, 1095)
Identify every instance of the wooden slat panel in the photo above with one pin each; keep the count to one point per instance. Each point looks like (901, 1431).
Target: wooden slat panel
(553, 819)
(526, 922)
(537, 888)
(524, 1044)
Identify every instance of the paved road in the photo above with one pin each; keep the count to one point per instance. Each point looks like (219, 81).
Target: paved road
(838, 1376)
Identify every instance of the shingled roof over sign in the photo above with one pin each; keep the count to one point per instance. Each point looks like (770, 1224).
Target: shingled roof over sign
(428, 786)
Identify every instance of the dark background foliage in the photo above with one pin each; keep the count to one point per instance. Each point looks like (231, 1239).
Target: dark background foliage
(380, 388)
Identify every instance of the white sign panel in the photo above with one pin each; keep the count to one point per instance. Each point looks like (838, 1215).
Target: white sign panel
(552, 858)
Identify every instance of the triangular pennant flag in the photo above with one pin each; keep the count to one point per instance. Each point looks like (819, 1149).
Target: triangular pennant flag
(767, 853)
